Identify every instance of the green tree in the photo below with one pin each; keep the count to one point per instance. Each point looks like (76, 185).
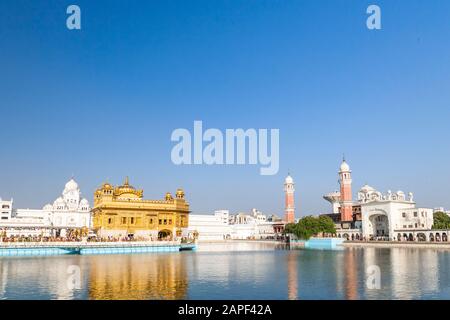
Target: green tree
(441, 220)
(290, 228)
(310, 226)
(306, 227)
(326, 225)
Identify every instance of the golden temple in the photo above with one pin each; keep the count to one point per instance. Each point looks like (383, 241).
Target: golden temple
(122, 212)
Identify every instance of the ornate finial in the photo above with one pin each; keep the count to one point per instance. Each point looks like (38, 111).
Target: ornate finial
(168, 196)
(343, 157)
(126, 181)
(180, 193)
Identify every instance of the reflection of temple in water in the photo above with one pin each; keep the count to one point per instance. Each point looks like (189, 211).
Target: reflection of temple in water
(372, 257)
(51, 275)
(407, 272)
(414, 272)
(3, 278)
(292, 273)
(161, 276)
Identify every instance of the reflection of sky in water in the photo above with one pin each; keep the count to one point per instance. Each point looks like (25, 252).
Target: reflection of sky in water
(233, 271)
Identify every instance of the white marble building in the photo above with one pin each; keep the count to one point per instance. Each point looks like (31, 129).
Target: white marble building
(223, 226)
(254, 226)
(6, 209)
(387, 215)
(210, 227)
(390, 216)
(69, 211)
(442, 209)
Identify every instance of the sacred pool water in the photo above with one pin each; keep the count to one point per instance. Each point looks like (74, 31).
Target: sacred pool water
(240, 270)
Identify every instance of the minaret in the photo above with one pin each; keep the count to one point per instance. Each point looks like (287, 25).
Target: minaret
(289, 211)
(345, 179)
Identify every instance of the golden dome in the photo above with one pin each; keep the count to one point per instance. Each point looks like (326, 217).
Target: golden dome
(127, 188)
(107, 186)
(126, 185)
(168, 196)
(180, 194)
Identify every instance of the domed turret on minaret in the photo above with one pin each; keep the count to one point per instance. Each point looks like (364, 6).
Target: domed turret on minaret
(289, 211)
(345, 180)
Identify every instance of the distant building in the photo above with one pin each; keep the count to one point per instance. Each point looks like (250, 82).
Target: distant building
(68, 212)
(242, 226)
(255, 226)
(441, 209)
(223, 215)
(6, 207)
(374, 215)
(210, 227)
(391, 215)
(274, 218)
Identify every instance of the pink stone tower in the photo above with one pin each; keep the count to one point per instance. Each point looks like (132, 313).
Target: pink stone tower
(289, 211)
(345, 179)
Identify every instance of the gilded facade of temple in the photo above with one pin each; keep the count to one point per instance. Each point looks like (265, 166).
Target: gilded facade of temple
(122, 212)
(138, 277)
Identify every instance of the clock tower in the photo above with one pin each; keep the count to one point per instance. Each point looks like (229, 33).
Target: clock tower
(289, 211)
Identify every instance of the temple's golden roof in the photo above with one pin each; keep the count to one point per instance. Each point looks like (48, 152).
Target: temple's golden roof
(126, 188)
(107, 186)
(128, 194)
(180, 194)
(169, 196)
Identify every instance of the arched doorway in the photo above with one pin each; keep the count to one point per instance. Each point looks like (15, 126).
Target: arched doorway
(165, 235)
(345, 236)
(410, 237)
(380, 225)
(399, 237)
(431, 237)
(438, 237)
(421, 237)
(444, 237)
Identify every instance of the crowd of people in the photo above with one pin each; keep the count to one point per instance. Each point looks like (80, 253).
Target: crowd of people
(118, 239)
(30, 238)
(78, 237)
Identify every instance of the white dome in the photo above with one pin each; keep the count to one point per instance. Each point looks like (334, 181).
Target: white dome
(289, 179)
(71, 185)
(345, 167)
(367, 189)
(84, 202)
(48, 207)
(59, 201)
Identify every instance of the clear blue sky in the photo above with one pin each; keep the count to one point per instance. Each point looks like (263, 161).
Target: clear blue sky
(102, 102)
